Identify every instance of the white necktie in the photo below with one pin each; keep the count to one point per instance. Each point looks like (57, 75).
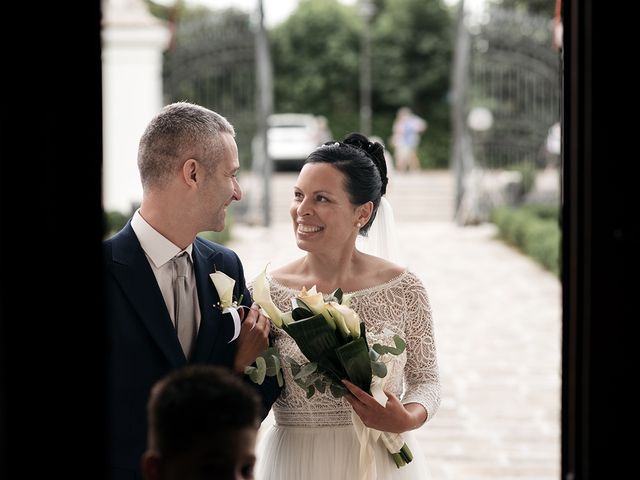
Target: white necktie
(184, 302)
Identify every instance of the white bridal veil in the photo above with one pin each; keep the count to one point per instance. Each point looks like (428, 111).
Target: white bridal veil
(381, 240)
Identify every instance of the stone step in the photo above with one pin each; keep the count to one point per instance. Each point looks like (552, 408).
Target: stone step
(426, 195)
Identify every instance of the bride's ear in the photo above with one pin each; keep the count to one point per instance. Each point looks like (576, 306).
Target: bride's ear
(364, 212)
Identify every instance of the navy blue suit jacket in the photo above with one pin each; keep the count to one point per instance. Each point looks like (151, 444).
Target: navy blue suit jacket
(143, 345)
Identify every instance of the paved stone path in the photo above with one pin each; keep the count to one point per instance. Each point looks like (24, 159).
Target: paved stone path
(497, 318)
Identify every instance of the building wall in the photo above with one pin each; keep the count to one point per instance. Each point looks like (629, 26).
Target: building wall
(133, 43)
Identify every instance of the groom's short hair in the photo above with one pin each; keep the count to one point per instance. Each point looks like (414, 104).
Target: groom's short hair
(198, 401)
(180, 131)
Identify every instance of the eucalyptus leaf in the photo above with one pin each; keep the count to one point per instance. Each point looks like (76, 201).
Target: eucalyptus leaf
(257, 373)
(295, 366)
(310, 391)
(400, 343)
(262, 370)
(273, 365)
(306, 370)
(338, 390)
(397, 350)
(373, 355)
(320, 384)
(379, 369)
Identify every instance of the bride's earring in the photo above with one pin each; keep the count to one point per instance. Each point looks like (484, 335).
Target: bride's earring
(358, 225)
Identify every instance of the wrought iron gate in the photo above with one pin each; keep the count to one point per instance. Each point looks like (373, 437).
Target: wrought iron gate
(212, 63)
(507, 84)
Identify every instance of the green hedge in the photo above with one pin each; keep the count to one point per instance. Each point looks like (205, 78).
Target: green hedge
(534, 230)
(219, 237)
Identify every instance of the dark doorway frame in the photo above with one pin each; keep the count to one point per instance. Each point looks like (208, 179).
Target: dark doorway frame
(52, 393)
(597, 406)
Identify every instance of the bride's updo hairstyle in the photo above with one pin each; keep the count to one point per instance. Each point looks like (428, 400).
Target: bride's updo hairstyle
(363, 164)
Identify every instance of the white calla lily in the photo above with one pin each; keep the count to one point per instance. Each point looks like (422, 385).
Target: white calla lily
(315, 301)
(338, 318)
(262, 296)
(224, 285)
(312, 299)
(346, 318)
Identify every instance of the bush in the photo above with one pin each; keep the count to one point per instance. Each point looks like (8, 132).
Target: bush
(528, 176)
(218, 237)
(534, 230)
(223, 236)
(114, 221)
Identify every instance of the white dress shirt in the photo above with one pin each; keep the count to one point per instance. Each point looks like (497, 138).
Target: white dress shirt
(159, 252)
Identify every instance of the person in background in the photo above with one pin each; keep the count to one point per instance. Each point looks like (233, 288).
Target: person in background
(203, 423)
(407, 129)
(162, 308)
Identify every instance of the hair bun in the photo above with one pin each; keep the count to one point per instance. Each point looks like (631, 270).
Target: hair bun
(374, 150)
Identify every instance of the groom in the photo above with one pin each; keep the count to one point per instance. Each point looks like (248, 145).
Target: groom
(161, 313)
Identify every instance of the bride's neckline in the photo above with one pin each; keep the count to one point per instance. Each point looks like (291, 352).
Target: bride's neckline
(388, 283)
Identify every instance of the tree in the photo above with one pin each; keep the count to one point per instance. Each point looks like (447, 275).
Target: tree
(315, 57)
(412, 47)
(545, 8)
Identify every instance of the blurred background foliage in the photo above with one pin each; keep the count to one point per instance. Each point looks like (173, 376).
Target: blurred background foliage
(315, 55)
(316, 64)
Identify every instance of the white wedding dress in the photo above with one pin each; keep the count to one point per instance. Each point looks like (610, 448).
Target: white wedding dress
(315, 439)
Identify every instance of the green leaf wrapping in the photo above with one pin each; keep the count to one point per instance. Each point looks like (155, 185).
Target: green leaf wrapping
(317, 341)
(354, 357)
(337, 294)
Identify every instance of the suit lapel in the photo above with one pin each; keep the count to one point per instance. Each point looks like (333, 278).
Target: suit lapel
(210, 315)
(133, 272)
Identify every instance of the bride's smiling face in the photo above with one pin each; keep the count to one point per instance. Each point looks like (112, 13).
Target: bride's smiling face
(323, 216)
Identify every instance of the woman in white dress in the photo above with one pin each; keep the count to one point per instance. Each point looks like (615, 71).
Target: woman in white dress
(336, 198)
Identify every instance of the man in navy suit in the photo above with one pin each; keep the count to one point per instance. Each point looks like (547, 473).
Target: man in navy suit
(188, 162)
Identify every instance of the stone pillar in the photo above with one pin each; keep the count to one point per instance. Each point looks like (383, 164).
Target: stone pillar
(132, 45)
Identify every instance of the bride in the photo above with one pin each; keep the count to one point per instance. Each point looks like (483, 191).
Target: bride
(338, 195)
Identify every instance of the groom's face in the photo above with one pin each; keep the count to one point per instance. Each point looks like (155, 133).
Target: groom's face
(222, 186)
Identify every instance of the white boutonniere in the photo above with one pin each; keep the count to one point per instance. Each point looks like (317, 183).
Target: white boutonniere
(224, 285)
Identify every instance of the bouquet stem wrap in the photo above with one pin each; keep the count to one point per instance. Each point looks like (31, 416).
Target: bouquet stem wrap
(394, 442)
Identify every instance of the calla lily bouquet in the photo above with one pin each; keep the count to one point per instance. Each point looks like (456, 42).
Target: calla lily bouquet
(333, 338)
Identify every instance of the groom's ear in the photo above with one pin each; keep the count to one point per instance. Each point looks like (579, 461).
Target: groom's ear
(189, 169)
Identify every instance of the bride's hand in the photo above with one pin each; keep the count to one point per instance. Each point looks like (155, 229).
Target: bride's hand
(394, 417)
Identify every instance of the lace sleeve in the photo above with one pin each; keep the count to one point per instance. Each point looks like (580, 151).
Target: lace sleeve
(422, 378)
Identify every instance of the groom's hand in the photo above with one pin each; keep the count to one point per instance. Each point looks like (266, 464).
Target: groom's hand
(253, 338)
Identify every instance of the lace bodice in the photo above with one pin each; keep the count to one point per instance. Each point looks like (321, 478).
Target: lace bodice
(400, 306)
